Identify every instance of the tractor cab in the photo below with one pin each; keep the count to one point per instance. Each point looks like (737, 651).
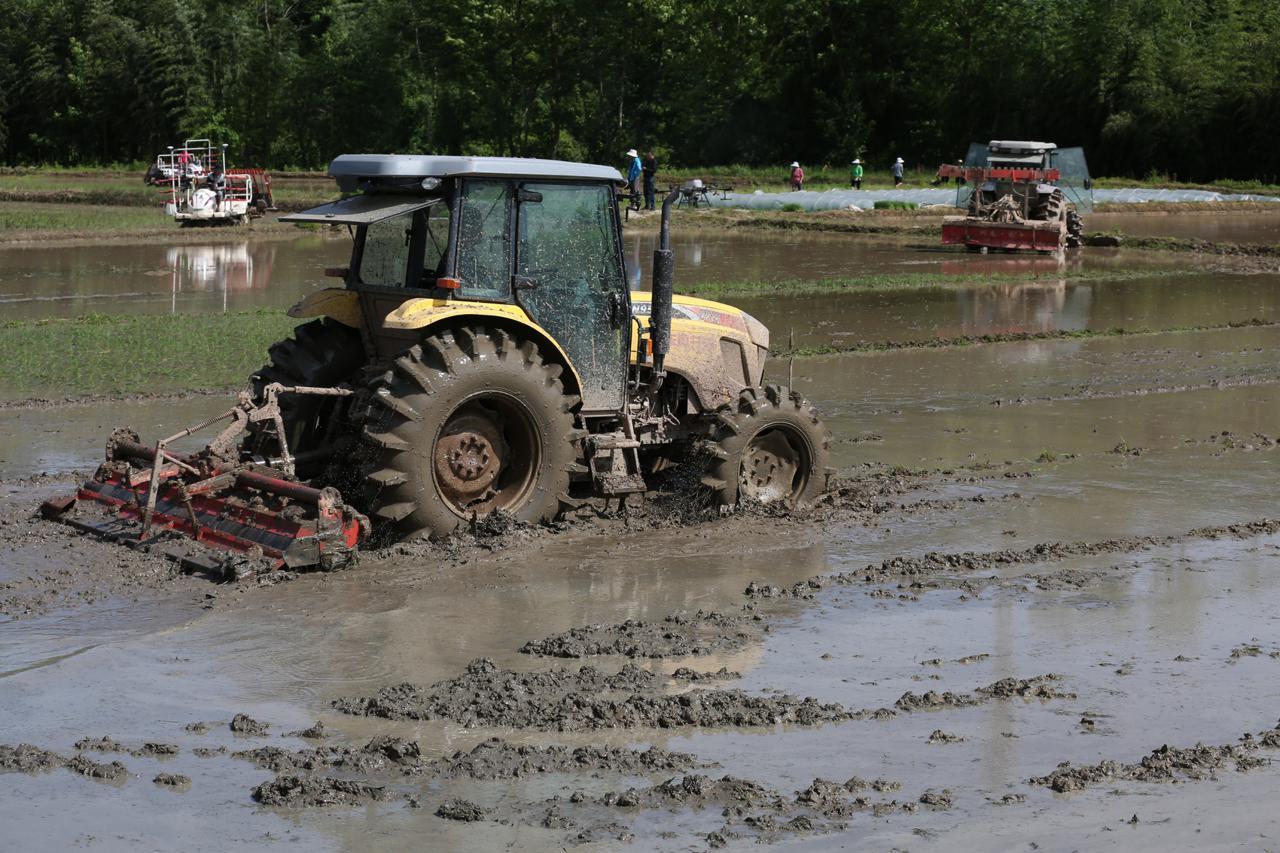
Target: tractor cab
(537, 236)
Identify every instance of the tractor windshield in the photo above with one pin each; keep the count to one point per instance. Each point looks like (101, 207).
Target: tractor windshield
(406, 250)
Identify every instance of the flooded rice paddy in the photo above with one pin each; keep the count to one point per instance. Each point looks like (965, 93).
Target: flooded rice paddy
(1093, 509)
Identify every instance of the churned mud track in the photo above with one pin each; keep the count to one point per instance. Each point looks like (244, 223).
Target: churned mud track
(954, 570)
(51, 566)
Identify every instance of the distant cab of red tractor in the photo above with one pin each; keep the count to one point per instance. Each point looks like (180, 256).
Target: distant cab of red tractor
(1019, 196)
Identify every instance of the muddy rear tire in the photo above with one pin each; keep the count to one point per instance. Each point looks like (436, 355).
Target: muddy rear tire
(468, 422)
(321, 353)
(1075, 229)
(767, 446)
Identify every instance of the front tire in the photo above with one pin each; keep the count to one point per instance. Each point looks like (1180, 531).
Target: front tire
(768, 446)
(468, 422)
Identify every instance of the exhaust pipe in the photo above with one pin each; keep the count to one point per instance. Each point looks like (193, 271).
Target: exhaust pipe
(664, 277)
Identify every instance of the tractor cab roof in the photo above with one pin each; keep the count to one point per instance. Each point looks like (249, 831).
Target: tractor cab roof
(1007, 146)
(353, 170)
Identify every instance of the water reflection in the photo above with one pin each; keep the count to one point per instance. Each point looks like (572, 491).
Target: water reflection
(37, 283)
(219, 270)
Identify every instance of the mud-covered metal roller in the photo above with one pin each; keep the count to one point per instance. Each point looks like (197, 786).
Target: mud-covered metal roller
(224, 496)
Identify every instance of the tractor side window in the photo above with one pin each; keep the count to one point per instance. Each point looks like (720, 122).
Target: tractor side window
(484, 240)
(408, 244)
(386, 251)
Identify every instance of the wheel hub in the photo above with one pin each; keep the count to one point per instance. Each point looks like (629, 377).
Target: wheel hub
(769, 468)
(469, 457)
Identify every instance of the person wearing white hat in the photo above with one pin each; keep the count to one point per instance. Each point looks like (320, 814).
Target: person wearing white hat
(897, 172)
(855, 174)
(634, 171)
(797, 176)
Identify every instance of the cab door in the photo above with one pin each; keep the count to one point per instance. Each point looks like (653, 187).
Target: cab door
(569, 279)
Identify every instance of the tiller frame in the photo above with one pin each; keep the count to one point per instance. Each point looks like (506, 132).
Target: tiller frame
(221, 496)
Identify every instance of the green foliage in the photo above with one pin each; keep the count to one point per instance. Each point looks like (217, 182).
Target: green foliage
(1188, 89)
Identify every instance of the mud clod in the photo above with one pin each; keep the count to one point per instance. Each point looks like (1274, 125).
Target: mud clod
(173, 780)
(25, 758)
(208, 752)
(161, 750)
(384, 752)
(316, 732)
(1039, 687)
(497, 759)
(554, 818)
(298, 791)
(933, 701)
(684, 673)
(563, 700)
(245, 725)
(460, 809)
(678, 635)
(85, 766)
(102, 744)
(939, 736)
(936, 799)
(804, 589)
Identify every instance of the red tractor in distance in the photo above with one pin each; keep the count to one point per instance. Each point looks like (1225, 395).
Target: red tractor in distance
(1024, 196)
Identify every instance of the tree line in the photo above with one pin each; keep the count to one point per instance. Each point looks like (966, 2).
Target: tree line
(1189, 88)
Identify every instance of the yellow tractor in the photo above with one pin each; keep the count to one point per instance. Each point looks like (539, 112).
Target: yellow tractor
(483, 354)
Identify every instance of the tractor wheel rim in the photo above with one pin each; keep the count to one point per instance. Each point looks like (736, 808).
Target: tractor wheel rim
(774, 466)
(486, 457)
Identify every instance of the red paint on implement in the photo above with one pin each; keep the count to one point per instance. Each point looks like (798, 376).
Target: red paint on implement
(1028, 236)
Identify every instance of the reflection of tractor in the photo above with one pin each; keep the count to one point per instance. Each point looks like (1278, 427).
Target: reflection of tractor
(201, 189)
(1019, 195)
(484, 355)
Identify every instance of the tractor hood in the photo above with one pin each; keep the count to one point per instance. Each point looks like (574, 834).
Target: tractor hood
(706, 311)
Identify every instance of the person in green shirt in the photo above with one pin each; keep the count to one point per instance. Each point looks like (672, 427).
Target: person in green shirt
(855, 174)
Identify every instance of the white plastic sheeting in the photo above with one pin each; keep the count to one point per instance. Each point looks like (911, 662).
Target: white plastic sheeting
(1140, 195)
(866, 199)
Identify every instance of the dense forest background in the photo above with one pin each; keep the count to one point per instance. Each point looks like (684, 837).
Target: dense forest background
(1187, 88)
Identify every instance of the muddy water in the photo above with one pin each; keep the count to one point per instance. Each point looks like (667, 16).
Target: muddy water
(1146, 646)
(68, 438)
(71, 281)
(1257, 227)
(114, 279)
(848, 319)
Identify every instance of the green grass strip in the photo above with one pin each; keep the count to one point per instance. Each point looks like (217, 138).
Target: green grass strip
(43, 216)
(910, 281)
(99, 354)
